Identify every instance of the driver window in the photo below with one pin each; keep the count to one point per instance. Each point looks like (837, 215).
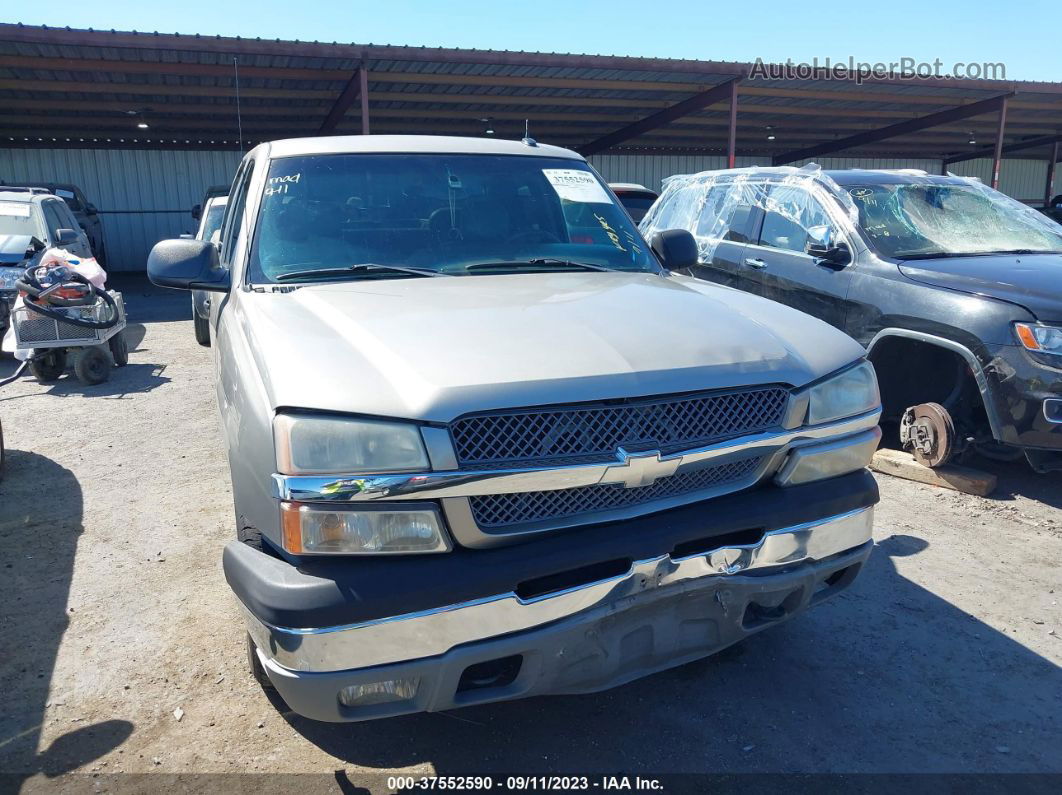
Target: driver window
(52, 218)
(790, 213)
(230, 228)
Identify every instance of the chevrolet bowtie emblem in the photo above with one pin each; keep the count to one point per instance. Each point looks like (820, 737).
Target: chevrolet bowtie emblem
(640, 469)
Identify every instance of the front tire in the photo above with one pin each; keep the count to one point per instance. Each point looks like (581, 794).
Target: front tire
(119, 349)
(49, 367)
(202, 329)
(255, 667)
(92, 366)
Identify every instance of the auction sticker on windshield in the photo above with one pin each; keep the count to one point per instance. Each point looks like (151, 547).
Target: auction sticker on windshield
(576, 186)
(14, 209)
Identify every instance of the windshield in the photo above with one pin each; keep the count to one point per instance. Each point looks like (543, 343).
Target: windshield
(637, 204)
(211, 222)
(442, 212)
(70, 198)
(16, 218)
(908, 220)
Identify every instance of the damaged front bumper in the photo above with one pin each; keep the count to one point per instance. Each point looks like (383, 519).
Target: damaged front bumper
(661, 612)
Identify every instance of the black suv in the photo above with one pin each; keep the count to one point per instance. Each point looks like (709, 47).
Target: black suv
(954, 288)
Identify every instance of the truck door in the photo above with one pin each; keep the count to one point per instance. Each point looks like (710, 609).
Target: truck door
(788, 274)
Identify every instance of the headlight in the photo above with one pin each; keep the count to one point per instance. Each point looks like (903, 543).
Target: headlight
(397, 530)
(855, 391)
(8, 277)
(317, 445)
(1040, 339)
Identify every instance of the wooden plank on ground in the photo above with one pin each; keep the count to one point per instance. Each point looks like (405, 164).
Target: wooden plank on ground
(964, 479)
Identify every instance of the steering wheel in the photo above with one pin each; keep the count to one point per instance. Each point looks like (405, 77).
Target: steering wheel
(534, 236)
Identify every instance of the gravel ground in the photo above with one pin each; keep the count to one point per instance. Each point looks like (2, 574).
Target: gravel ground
(114, 613)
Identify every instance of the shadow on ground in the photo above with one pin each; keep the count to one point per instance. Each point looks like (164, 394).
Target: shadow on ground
(146, 303)
(940, 690)
(40, 523)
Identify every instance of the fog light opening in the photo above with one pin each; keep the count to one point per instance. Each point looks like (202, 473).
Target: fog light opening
(835, 582)
(491, 674)
(389, 691)
(758, 614)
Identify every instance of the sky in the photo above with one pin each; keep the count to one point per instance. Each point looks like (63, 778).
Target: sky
(1026, 38)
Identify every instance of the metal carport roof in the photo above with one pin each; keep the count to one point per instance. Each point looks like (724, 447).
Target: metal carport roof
(66, 87)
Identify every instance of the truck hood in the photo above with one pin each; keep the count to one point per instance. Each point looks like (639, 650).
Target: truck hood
(435, 348)
(1028, 280)
(13, 248)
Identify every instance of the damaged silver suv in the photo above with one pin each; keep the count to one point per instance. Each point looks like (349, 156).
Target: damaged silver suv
(484, 443)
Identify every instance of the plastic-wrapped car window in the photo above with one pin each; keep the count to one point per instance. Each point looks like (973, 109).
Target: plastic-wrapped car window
(739, 225)
(791, 212)
(686, 196)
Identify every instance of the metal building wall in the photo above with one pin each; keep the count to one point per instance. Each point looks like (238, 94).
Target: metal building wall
(651, 170)
(143, 195)
(1022, 179)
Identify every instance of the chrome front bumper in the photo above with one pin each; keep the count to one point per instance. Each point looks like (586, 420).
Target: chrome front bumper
(435, 632)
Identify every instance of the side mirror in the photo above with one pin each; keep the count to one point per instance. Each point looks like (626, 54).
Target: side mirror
(197, 212)
(90, 209)
(187, 265)
(835, 256)
(65, 237)
(676, 248)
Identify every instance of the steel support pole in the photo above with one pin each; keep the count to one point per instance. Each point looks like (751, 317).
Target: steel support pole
(363, 78)
(997, 156)
(1049, 187)
(731, 150)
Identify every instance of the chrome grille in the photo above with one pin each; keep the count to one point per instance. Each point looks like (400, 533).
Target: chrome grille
(570, 434)
(505, 510)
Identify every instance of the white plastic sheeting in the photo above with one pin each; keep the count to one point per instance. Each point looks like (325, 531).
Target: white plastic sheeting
(705, 203)
(921, 214)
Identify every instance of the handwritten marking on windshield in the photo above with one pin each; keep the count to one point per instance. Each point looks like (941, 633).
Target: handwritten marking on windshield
(280, 184)
(609, 231)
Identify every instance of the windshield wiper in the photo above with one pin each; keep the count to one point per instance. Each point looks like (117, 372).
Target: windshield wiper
(1023, 251)
(939, 254)
(363, 267)
(547, 262)
(951, 254)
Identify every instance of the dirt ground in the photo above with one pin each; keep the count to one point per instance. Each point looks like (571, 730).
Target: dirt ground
(114, 613)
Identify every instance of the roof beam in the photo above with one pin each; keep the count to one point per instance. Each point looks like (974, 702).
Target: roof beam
(46, 86)
(486, 103)
(162, 89)
(877, 97)
(903, 128)
(697, 102)
(988, 151)
(709, 70)
(343, 102)
(177, 68)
